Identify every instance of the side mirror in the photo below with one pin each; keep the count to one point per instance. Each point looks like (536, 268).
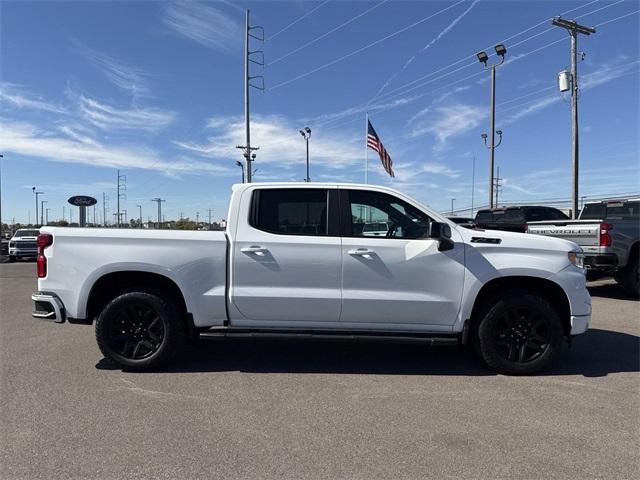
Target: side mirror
(442, 232)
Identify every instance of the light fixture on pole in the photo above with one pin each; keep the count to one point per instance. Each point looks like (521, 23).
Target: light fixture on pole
(483, 58)
(241, 165)
(306, 134)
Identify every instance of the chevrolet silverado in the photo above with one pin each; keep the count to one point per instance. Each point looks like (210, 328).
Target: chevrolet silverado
(296, 262)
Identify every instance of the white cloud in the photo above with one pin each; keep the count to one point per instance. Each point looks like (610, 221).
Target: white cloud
(12, 94)
(29, 140)
(126, 77)
(108, 117)
(447, 121)
(279, 142)
(204, 24)
(440, 169)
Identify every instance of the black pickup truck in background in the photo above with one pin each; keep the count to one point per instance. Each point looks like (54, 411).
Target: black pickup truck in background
(514, 219)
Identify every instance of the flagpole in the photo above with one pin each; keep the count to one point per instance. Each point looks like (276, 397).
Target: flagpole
(366, 148)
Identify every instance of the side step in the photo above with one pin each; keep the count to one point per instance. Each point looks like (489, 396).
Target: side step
(332, 335)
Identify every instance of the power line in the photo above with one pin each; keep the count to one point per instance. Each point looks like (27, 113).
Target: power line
(324, 35)
(361, 49)
(297, 20)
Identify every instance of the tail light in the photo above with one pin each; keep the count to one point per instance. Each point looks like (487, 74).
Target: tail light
(44, 240)
(605, 238)
(526, 228)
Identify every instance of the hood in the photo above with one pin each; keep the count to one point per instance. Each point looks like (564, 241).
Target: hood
(528, 241)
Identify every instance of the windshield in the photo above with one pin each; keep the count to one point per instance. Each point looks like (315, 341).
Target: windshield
(26, 233)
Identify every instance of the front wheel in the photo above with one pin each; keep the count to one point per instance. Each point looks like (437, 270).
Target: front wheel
(520, 333)
(138, 330)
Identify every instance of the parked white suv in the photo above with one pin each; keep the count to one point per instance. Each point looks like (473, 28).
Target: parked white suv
(293, 261)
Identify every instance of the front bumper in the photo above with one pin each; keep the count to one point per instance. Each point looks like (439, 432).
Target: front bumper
(579, 324)
(47, 306)
(14, 252)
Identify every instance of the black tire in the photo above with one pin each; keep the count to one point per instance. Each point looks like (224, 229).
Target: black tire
(12, 258)
(139, 330)
(629, 278)
(520, 333)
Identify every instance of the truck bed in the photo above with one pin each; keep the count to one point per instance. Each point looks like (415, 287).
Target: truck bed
(196, 260)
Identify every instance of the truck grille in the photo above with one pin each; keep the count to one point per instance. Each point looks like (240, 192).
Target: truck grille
(25, 244)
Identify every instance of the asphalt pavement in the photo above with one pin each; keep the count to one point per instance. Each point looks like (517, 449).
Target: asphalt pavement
(275, 409)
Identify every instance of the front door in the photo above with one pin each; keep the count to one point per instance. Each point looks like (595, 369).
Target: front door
(287, 258)
(391, 272)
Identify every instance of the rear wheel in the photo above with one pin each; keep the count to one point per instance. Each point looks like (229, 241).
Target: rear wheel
(629, 278)
(139, 330)
(520, 333)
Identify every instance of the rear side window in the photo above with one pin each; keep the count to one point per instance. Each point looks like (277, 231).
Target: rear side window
(290, 211)
(484, 216)
(622, 210)
(593, 211)
(513, 216)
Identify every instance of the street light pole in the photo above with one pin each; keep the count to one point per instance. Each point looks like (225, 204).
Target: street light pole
(306, 134)
(140, 210)
(241, 165)
(501, 50)
(452, 200)
(35, 220)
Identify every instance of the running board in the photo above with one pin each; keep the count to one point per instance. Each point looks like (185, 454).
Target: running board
(323, 335)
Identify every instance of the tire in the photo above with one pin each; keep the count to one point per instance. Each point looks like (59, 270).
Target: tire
(520, 333)
(12, 258)
(140, 331)
(629, 279)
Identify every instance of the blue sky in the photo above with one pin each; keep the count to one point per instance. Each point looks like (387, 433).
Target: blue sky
(155, 89)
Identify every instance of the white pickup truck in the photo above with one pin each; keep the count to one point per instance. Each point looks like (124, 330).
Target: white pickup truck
(295, 262)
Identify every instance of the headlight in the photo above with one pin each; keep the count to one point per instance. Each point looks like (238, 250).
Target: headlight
(577, 258)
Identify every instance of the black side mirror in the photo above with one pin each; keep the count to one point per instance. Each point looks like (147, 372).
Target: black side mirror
(442, 232)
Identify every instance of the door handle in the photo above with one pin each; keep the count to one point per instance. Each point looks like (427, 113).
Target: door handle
(362, 252)
(258, 250)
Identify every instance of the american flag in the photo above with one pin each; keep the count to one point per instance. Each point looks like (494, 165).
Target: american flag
(374, 143)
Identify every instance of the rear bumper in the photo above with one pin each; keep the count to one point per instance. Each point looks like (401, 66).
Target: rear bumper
(607, 261)
(47, 306)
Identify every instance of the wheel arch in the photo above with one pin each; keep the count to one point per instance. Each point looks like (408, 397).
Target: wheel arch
(111, 284)
(547, 289)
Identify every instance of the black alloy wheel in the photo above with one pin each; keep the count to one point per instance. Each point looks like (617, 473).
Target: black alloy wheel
(135, 331)
(522, 334)
(140, 330)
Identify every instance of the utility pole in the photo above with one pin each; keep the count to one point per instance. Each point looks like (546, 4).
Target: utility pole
(501, 51)
(34, 190)
(64, 216)
(122, 193)
(197, 219)
(104, 209)
(209, 219)
(140, 212)
(46, 217)
(247, 84)
(498, 186)
(159, 200)
(574, 29)
(452, 200)
(42, 202)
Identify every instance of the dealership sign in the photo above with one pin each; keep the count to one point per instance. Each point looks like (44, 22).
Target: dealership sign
(82, 201)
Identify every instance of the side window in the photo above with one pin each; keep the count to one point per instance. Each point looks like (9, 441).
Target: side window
(290, 211)
(376, 214)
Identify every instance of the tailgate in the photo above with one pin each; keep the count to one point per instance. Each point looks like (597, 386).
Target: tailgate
(585, 233)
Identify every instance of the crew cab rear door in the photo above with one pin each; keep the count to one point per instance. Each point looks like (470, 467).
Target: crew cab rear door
(400, 277)
(286, 258)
